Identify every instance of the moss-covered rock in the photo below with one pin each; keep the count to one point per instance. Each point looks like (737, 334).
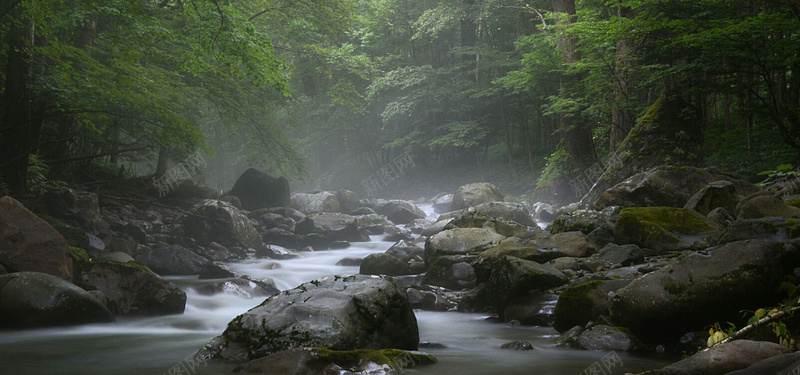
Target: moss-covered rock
(512, 277)
(580, 304)
(662, 228)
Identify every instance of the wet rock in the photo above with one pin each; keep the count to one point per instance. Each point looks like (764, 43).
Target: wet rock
(451, 272)
(317, 241)
(435, 228)
(768, 228)
(130, 289)
(517, 345)
(416, 226)
(270, 220)
(399, 211)
(117, 257)
(580, 304)
(323, 361)
(35, 299)
(282, 237)
(541, 250)
(428, 300)
(607, 338)
(701, 289)
(274, 252)
(338, 227)
(442, 203)
(256, 189)
(28, 243)
(405, 251)
(584, 221)
(766, 206)
(472, 218)
(173, 260)
(512, 277)
(662, 229)
(238, 287)
(779, 364)
(464, 242)
(475, 300)
(474, 194)
(532, 310)
(349, 262)
(216, 270)
(383, 264)
(721, 218)
(217, 221)
(339, 313)
(725, 358)
(316, 203)
(515, 212)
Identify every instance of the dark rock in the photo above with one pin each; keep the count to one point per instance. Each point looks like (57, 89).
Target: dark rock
(338, 227)
(363, 211)
(173, 260)
(779, 364)
(28, 243)
(274, 252)
(461, 242)
(702, 289)
(339, 313)
(472, 218)
(282, 237)
(403, 215)
(418, 225)
(475, 300)
(515, 212)
(621, 254)
(766, 206)
(584, 221)
(721, 218)
(383, 264)
(316, 203)
(580, 304)
(768, 228)
(532, 310)
(257, 189)
(349, 262)
(323, 361)
(512, 277)
(273, 220)
(725, 358)
(233, 200)
(35, 299)
(339, 245)
(517, 345)
(723, 194)
(428, 300)
(405, 251)
(541, 250)
(217, 221)
(474, 194)
(606, 338)
(130, 288)
(117, 257)
(317, 241)
(216, 270)
(451, 272)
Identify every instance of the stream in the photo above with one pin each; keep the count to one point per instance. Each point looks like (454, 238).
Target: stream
(161, 345)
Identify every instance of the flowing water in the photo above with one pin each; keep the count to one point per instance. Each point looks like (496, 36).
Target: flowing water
(162, 345)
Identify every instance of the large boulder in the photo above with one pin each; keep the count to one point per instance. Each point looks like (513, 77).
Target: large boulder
(724, 194)
(28, 243)
(383, 264)
(667, 133)
(700, 290)
(35, 299)
(324, 201)
(337, 226)
(542, 249)
(130, 289)
(662, 186)
(442, 203)
(607, 338)
(662, 229)
(337, 313)
(766, 206)
(464, 242)
(220, 222)
(516, 212)
(725, 358)
(474, 194)
(511, 277)
(399, 211)
(172, 260)
(348, 201)
(584, 303)
(256, 189)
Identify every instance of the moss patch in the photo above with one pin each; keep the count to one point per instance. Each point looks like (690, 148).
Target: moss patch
(659, 227)
(575, 306)
(794, 202)
(675, 289)
(793, 228)
(79, 254)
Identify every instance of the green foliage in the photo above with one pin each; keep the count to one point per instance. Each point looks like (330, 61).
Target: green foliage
(778, 327)
(38, 183)
(558, 165)
(782, 171)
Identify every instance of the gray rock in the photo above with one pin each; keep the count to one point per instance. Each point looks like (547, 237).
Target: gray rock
(767, 228)
(216, 270)
(474, 194)
(239, 287)
(399, 211)
(348, 201)
(512, 277)
(383, 264)
(517, 345)
(442, 203)
(701, 289)
(130, 289)
(779, 364)
(621, 254)
(35, 299)
(766, 206)
(725, 358)
(315, 203)
(173, 260)
(460, 241)
(606, 338)
(338, 313)
(218, 221)
(451, 272)
(338, 227)
(724, 194)
(256, 189)
(533, 309)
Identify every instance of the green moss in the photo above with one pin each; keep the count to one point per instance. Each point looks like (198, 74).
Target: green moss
(79, 254)
(793, 227)
(675, 289)
(650, 226)
(769, 227)
(794, 202)
(575, 306)
(139, 266)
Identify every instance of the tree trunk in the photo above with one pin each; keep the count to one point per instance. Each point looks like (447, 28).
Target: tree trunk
(622, 120)
(163, 162)
(20, 128)
(575, 130)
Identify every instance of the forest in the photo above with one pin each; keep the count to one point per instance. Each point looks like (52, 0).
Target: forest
(327, 92)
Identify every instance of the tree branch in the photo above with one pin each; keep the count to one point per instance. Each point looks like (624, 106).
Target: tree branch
(528, 8)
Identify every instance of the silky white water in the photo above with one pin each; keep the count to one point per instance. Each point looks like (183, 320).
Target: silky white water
(162, 344)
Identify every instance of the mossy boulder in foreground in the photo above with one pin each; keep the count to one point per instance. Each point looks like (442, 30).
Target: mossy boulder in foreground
(662, 228)
(336, 313)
